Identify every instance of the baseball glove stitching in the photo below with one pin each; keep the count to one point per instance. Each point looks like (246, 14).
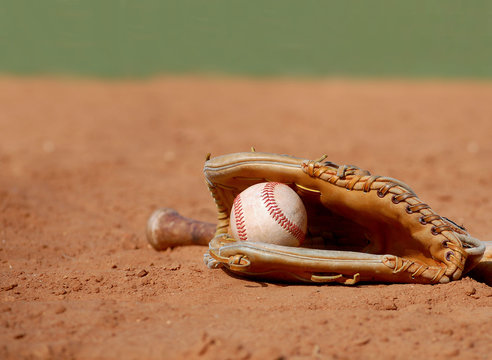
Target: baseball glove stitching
(337, 175)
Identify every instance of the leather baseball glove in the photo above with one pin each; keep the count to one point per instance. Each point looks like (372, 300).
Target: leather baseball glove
(361, 227)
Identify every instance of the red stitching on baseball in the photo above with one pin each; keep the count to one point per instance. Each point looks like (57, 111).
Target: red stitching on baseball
(239, 215)
(267, 195)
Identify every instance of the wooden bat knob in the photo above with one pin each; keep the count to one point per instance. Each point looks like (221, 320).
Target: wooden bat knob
(167, 228)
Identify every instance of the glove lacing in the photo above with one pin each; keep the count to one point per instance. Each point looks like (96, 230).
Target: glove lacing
(348, 176)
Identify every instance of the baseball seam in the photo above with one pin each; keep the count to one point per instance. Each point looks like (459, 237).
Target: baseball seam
(268, 198)
(240, 221)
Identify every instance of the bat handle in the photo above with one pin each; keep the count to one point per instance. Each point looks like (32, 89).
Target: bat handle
(167, 228)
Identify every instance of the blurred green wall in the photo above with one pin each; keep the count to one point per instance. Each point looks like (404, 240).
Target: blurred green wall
(129, 38)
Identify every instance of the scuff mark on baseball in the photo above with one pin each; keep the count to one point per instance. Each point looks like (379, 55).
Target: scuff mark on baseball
(269, 212)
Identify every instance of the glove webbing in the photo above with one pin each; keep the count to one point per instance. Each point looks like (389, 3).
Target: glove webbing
(353, 178)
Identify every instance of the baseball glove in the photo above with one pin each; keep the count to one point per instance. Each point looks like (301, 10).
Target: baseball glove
(361, 227)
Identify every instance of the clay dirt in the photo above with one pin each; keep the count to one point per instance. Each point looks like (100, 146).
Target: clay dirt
(83, 164)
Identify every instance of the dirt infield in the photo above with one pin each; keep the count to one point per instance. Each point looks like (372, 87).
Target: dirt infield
(84, 163)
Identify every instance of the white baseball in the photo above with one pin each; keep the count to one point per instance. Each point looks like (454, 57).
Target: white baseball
(269, 212)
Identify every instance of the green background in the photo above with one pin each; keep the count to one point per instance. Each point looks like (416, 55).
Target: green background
(134, 38)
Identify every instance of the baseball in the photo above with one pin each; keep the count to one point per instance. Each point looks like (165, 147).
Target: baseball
(269, 212)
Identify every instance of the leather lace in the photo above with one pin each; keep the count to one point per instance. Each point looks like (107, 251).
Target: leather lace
(352, 175)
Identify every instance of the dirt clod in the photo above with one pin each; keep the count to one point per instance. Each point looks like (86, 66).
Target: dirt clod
(142, 273)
